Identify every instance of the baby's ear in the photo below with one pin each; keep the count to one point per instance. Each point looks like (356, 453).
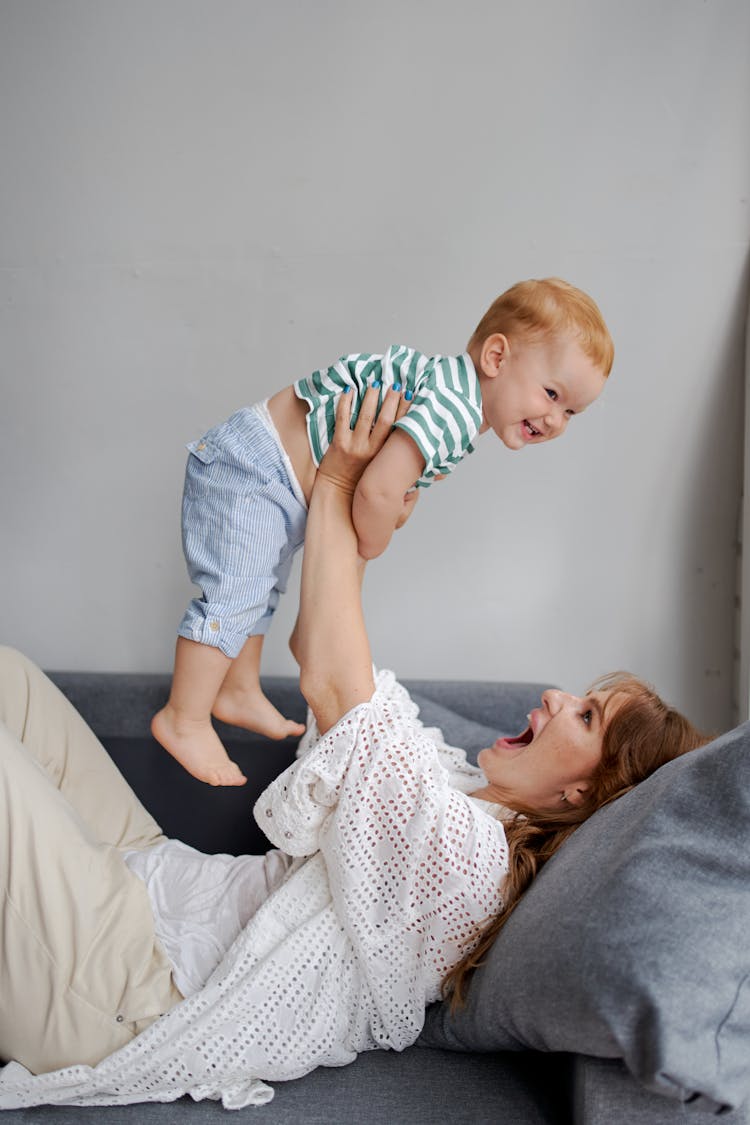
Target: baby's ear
(495, 351)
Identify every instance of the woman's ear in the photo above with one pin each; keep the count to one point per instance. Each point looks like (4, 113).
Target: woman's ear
(575, 793)
(495, 350)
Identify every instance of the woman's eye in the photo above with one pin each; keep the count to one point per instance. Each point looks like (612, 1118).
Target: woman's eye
(587, 716)
(551, 394)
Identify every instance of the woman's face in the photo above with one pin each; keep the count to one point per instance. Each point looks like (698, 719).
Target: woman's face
(548, 766)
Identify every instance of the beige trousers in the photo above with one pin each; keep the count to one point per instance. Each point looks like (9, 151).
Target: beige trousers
(81, 971)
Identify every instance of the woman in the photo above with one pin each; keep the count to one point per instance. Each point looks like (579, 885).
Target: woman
(294, 962)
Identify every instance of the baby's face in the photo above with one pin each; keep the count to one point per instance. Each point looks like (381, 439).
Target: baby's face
(538, 388)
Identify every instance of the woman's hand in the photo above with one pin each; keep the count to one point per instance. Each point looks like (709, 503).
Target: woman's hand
(352, 450)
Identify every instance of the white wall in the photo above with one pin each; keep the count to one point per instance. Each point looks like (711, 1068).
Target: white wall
(201, 201)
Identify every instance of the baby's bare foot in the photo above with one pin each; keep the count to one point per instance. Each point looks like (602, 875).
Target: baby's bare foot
(197, 747)
(254, 711)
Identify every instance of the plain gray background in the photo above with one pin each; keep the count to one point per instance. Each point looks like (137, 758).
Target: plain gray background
(202, 201)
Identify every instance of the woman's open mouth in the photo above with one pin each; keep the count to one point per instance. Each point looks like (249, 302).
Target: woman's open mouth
(517, 742)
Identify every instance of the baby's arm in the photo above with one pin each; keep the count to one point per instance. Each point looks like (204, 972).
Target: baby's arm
(378, 505)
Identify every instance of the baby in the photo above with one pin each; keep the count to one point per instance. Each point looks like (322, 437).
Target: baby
(540, 354)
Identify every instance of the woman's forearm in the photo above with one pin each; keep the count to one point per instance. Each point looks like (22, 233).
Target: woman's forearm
(333, 649)
(331, 639)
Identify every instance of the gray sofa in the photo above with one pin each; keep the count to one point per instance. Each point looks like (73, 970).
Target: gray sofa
(453, 1074)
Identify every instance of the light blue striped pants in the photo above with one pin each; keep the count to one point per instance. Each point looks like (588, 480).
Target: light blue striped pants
(241, 527)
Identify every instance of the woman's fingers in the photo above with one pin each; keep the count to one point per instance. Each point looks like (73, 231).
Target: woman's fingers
(368, 411)
(388, 412)
(375, 420)
(352, 448)
(374, 412)
(344, 410)
(403, 406)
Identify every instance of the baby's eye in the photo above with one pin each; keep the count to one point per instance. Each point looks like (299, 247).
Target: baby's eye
(587, 716)
(551, 394)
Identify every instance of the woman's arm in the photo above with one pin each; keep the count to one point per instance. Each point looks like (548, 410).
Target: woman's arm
(332, 644)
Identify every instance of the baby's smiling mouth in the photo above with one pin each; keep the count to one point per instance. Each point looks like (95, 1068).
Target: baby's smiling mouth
(532, 431)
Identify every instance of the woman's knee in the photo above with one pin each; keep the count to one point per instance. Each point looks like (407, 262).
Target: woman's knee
(16, 673)
(11, 658)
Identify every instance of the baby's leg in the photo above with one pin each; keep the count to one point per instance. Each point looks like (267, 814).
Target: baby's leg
(242, 703)
(184, 727)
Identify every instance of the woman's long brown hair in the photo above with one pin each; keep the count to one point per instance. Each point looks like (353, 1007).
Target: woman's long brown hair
(642, 734)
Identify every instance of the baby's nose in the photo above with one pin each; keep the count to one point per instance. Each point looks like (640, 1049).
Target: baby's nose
(556, 420)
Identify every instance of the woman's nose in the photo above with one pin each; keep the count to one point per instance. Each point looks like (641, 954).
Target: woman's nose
(554, 699)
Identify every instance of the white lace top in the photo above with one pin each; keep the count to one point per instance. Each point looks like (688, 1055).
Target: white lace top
(344, 956)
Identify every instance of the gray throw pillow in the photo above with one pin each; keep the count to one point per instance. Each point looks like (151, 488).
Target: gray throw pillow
(634, 940)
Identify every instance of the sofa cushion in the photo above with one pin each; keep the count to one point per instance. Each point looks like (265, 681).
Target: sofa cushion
(633, 941)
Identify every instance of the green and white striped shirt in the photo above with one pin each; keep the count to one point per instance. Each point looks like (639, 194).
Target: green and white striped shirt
(443, 418)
